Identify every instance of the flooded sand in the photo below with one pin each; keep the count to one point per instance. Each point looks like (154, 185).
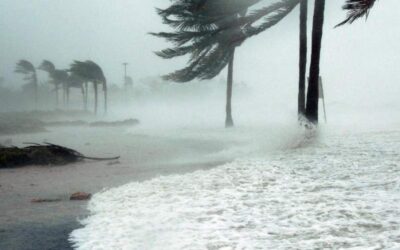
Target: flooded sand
(144, 155)
(340, 191)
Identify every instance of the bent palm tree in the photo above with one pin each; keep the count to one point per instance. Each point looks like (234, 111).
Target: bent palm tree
(28, 70)
(58, 77)
(210, 30)
(89, 71)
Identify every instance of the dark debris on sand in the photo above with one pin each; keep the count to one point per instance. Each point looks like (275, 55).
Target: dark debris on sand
(41, 154)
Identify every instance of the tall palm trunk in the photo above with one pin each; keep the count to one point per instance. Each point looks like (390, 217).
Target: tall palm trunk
(229, 119)
(57, 101)
(86, 95)
(302, 58)
(95, 97)
(67, 94)
(35, 86)
(83, 96)
(313, 91)
(64, 94)
(105, 98)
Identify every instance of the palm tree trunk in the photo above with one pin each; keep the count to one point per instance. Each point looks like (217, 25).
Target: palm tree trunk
(83, 96)
(229, 119)
(302, 58)
(105, 98)
(313, 91)
(67, 90)
(86, 95)
(57, 101)
(95, 97)
(64, 94)
(36, 90)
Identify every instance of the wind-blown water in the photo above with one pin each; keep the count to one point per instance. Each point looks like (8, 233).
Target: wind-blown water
(341, 191)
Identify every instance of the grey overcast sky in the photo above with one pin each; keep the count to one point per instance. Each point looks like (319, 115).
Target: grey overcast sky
(354, 58)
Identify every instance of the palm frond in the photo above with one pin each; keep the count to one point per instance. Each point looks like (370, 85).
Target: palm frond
(210, 30)
(28, 70)
(270, 16)
(47, 66)
(88, 71)
(356, 9)
(25, 67)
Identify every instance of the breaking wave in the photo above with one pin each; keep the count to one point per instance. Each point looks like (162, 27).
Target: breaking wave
(339, 193)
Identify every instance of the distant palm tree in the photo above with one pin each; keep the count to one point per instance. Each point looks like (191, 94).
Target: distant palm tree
(58, 77)
(89, 71)
(28, 70)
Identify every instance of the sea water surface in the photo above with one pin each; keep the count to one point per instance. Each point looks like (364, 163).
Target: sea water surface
(335, 190)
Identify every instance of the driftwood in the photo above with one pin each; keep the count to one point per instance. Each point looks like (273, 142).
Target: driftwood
(41, 154)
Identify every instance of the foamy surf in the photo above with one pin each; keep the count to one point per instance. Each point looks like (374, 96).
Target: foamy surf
(338, 193)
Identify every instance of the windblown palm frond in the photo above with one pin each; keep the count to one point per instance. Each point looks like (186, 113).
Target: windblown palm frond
(47, 66)
(356, 9)
(269, 16)
(88, 71)
(25, 67)
(81, 70)
(210, 30)
(28, 70)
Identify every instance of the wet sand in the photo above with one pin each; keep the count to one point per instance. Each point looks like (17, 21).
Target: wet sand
(144, 155)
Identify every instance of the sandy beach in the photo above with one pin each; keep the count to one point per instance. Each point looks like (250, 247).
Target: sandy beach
(144, 155)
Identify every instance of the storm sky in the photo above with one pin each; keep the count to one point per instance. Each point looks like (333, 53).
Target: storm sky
(360, 61)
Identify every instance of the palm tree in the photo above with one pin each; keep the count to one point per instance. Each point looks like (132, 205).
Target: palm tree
(28, 70)
(357, 9)
(89, 71)
(302, 58)
(210, 30)
(204, 70)
(58, 77)
(75, 81)
(313, 85)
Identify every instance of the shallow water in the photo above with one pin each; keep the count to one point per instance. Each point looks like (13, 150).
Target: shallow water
(340, 191)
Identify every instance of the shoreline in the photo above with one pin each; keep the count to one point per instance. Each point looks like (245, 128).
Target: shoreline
(34, 226)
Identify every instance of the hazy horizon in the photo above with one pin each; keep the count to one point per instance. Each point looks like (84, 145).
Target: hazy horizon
(359, 62)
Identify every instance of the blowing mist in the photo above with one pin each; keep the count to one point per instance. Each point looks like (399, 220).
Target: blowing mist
(199, 124)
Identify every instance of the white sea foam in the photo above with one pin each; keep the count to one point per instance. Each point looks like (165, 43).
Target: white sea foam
(342, 192)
